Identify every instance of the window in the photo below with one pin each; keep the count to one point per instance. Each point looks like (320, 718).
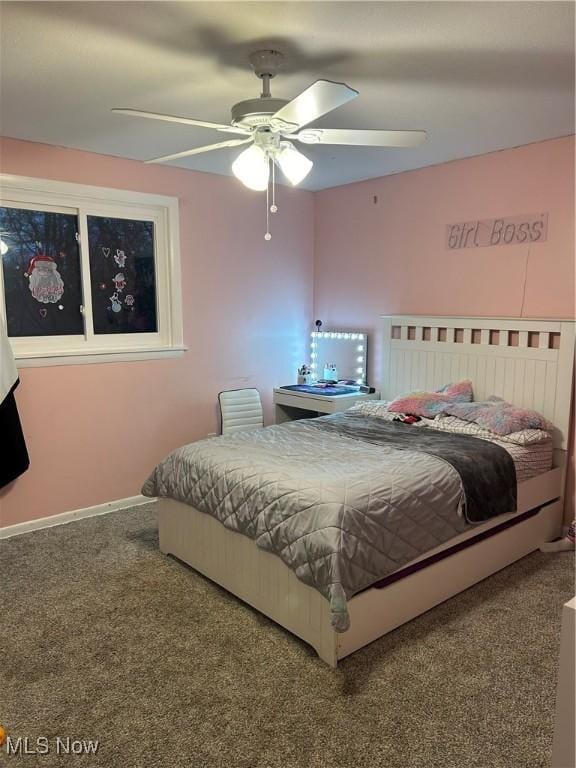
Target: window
(122, 264)
(88, 274)
(41, 262)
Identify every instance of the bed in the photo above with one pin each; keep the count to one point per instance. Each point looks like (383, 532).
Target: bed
(529, 363)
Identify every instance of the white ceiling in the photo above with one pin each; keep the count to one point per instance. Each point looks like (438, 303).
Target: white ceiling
(478, 76)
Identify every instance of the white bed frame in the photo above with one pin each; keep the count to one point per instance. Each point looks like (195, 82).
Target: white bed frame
(528, 362)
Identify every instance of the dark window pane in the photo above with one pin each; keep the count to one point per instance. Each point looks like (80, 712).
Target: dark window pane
(122, 275)
(41, 269)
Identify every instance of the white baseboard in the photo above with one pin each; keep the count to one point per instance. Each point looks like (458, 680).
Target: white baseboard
(70, 517)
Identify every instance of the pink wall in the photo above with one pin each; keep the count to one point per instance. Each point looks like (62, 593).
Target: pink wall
(389, 257)
(95, 431)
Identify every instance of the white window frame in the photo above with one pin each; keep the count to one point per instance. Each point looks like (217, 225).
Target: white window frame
(83, 201)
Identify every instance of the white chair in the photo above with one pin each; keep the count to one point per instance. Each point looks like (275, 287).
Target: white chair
(240, 409)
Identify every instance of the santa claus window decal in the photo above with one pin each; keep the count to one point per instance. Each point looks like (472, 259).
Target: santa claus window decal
(122, 275)
(42, 272)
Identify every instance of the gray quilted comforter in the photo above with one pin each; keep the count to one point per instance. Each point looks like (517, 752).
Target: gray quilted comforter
(341, 512)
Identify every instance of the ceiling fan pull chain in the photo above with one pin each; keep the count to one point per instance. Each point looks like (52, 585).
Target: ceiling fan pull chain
(273, 207)
(268, 236)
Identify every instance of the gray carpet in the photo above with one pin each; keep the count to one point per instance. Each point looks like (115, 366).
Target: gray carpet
(105, 638)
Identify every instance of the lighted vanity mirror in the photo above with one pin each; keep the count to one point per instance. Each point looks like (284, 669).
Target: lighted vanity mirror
(339, 355)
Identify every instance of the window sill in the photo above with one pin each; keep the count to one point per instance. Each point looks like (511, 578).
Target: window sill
(98, 356)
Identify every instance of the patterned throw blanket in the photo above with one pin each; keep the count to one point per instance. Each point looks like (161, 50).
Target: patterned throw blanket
(343, 500)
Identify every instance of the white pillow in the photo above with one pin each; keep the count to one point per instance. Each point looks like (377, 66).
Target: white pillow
(460, 427)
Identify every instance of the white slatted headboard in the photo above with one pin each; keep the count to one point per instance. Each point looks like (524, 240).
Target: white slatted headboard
(528, 362)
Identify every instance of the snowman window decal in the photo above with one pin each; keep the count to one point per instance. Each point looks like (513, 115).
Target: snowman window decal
(116, 304)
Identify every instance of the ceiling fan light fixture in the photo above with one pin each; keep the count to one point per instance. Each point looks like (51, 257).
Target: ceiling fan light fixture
(295, 166)
(252, 168)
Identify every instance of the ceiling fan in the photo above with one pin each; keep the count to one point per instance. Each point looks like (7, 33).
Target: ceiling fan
(271, 125)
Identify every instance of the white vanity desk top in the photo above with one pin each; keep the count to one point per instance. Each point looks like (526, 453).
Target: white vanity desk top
(288, 403)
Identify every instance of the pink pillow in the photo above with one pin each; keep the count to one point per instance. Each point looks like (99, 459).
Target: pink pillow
(430, 404)
(498, 416)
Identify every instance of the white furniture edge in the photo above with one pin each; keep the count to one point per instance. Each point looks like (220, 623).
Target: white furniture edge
(286, 400)
(262, 580)
(564, 748)
(69, 517)
(289, 394)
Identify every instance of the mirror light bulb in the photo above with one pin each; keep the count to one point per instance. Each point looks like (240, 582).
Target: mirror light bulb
(252, 168)
(3, 248)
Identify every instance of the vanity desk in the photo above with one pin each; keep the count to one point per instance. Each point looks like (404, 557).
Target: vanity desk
(340, 355)
(290, 405)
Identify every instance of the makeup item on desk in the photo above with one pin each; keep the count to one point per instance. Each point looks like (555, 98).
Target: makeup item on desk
(330, 372)
(304, 375)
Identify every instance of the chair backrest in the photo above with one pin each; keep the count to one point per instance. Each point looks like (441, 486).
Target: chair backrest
(240, 409)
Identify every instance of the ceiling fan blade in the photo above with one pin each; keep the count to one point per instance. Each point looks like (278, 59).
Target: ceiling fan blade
(361, 138)
(321, 97)
(199, 150)
(176, 119)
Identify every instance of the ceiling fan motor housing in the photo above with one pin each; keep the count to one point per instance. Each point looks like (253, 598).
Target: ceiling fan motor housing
(266, 63)
(254, 113)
